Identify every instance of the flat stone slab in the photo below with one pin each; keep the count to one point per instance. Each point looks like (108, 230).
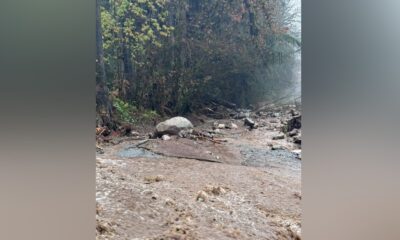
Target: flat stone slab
(186, 148)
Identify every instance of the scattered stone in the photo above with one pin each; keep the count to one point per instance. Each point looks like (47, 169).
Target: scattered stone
(169, 202)
(185, 133)
(173, 126)
(279, 136)
(293, 112)
(104, 227)
(221, 126)
(165, 137)
(201, 196)
(294, 132)
(154, 197)
(277, 147)
(298, 153)
(152, 135)
(134, 133)
(276, 114)
(153, 179)
(297, 139)
(99, 150)
(249, 122)
(293, 123)
(214, 190)
(297, 195)
(233, 126)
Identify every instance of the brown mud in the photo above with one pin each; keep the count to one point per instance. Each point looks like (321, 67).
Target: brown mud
(238, 188)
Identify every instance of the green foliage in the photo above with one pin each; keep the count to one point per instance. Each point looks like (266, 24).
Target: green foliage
(134, 24)
(128, 113)
(182, 51)
(125, 110)
(148, 115)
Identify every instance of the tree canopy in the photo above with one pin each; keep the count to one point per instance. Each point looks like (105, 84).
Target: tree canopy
(171, 56)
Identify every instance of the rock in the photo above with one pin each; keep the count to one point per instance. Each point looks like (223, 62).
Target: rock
(293, 112)
(99, 150)
(152, 135)
(233, 126)
(276, 114)
(185, 133)
(278, 137)
(277, 147)
(134, 133)
(173, 126)
(217, 131)
(165, 137)
(249, 122)
(153, 179)
(221, 126)
(201, 196)
(297, 139)
(293, 123)
(298, 153)
(294, 132)
(169, 202)
(212, 190)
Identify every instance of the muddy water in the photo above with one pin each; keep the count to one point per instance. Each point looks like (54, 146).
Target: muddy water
(143, 195)
(265, 158)
(135, 152)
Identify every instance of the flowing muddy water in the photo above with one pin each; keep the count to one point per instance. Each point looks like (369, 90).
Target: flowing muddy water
(252, 193)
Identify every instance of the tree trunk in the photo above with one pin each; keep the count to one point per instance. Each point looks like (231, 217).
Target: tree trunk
(103, 105)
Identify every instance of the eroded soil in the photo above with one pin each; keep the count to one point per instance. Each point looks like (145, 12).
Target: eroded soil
(169, 189)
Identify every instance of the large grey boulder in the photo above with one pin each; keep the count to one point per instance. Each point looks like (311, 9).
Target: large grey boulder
(173, 126)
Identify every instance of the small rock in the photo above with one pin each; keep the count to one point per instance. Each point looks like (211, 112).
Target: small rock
(294, 132)
(221, 126)
(233, 126)
(169, 202)
(298, 153)
(214, 190)
(135, 134)
(294, 122)
(297, 139)
(99, 150)
(165, 137)
(185, 133)
(201, 196)
(277, 147)
(276, 114)
(152, 135)
(249, 122)
(153, 179)
(242, 115)
(278, 137)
